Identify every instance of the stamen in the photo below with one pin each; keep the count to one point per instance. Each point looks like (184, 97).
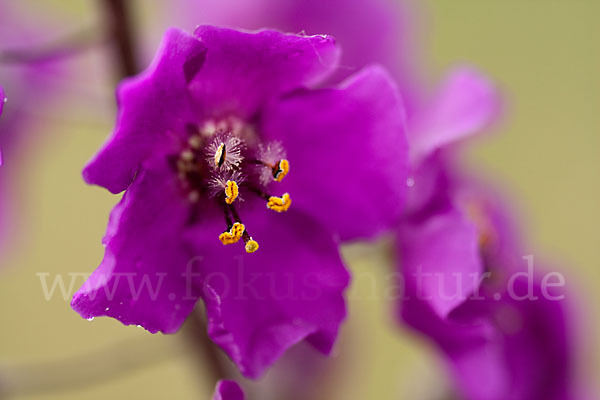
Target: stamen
(209, 128)
(487, 235)
(231, 191)
(271, 155)
(227, 183)
(227, 158)
(279, 204)
(281, 169)
(251, 246)
(187, 155)
(220, 155)
(195, 142)
(225, 152)
(233, 235)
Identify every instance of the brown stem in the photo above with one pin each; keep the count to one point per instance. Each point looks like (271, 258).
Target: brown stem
(69, 45)
(211, 357)
(120, 29)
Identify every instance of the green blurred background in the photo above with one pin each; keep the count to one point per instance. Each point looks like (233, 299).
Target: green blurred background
(545, 56)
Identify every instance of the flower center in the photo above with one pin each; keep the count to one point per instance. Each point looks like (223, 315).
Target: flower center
(224, 160)
(478, 213)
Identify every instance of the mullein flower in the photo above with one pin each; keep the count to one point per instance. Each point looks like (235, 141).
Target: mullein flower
(433, 225)
(228, 390)
(2, 99)
(213, 143)
(458, 250)
(354, 23)
(505, 335)
(24, 99)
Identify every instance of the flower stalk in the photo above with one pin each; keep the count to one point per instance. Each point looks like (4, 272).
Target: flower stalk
(119, 22)
(71, 44)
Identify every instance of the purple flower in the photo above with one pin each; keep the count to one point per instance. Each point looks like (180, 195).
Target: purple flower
(228, 390)
(371, 31)
(435, 234)
(35, 89)
(505, 334)
(204, 142)
(466, 103)
(458, 251)
(2, 99)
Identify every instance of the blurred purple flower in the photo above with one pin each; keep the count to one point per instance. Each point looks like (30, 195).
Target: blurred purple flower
(2, 99)
(458, 249)
(26, 91)
(212, 122)
(501, 344)
(228, 390)
(38, 77)
(435, 233)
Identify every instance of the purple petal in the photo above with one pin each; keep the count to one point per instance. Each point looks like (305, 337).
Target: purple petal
(441, 255)
(494, 216)
(503, 348)
(2, 99)
(214, 73)
(431, 185)
(534, 359)
(347, 151)
(261, 304)
(228, 390)
(467, 102)
(151, 105)
(367, 29)
(141, 279)
(243, 70)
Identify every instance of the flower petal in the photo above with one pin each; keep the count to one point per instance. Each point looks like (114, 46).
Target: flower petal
(467, 102)
(228, 390)
(150, 105)
(141, 279)
(440, 256)
(530, 355)
(243, 70)
(348, 152)
(2, 99)
(367, 29)
(261, 304)
(502, 347)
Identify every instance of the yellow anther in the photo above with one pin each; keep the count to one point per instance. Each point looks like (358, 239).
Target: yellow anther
(281, 170)
(209, 128)
(187, 155)
(251, 246)
(220, 155)
(195, 142)
(231, 191)
(279, 204)
(487, 232)
(233, 235)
